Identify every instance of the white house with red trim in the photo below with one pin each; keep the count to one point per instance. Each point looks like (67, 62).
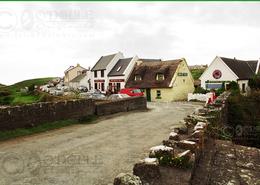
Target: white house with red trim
(101, 69)
(111, 72)
(224, 70)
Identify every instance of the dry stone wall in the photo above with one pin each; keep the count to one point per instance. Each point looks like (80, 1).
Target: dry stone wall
(30, 115)
(174, 162)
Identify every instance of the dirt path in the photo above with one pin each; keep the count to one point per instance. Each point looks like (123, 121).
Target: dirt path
(89, 154)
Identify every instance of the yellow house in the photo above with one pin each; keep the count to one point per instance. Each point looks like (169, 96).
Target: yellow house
(72, 72)
(162, 81)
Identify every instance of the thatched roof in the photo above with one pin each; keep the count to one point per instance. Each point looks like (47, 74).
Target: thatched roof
(148, 72)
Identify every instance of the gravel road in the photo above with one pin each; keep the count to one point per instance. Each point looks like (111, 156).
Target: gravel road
(91, 154)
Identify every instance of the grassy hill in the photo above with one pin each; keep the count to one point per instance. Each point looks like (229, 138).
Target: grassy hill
(2, 85)
(196, 73)
(11, 95)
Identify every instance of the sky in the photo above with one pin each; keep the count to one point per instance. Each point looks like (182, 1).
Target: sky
(43, 39)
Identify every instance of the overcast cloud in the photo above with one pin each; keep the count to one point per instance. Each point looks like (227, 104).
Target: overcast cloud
(43, 39)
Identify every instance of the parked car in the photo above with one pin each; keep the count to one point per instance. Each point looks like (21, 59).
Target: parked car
(131, 92)
(58, 92)
(96, 96)
(94, 91)
(82, 89)
(113, 97)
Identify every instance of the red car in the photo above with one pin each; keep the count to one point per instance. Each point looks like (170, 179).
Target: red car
(131, 92)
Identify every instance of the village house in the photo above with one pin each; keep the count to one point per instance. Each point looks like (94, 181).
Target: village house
(72, 72)
(224, 70)
(99, 72)
(120, 73)
(82, 80)
(162, 81)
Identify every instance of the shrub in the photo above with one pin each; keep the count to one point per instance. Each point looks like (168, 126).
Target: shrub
(200, 90)
(254, 83)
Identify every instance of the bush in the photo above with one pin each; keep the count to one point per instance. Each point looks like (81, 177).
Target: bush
(254, 83)
(200, 90)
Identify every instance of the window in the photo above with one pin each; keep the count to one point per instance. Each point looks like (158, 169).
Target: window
(158, 94)
(95, 74)
(102, 87)
(182, 74)
(183, 80)
(102, 73)
(118, 86)
(96, 87)
(160, 77)
(243, 87)
(138, 77)
(118, 69)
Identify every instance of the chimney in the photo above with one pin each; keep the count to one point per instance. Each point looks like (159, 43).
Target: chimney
(257, 67)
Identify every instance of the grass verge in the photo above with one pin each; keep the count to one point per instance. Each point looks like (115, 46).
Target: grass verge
(5, 135)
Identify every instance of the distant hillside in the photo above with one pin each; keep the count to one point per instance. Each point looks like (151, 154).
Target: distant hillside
(196, 73)
(2, 85)
(11, 95)
(27, 83)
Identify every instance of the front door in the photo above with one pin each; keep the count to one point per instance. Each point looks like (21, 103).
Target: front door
(148, 94)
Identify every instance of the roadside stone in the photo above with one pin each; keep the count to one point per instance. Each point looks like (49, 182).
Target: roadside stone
(189, 145)
(197, 134)
(148, 173)
(149, 160)
(174, 136)
(169, 143)
(181, 130)
(187, 155)
(161, 150)
(127, 179)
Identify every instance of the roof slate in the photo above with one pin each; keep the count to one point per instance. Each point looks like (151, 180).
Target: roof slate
(122, 64)
(243, 69)
(103, 62)
(148, 72)
(78, 78)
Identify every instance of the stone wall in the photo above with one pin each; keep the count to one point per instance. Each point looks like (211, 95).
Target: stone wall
(34, 114)
(133, 103)
(37, 113)
(177, 158)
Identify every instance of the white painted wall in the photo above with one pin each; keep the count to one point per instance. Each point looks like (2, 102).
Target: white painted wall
(240, 83)
(113, 62)
(126, 73)
(217, 63)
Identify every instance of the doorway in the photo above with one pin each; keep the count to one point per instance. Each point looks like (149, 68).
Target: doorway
(148, 94)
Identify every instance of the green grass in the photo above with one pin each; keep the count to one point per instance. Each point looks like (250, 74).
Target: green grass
(24, 99)
(27, 83)
(16, 98)
(196, 73)
(5, 135)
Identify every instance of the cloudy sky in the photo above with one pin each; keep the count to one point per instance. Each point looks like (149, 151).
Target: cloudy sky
(43, 39)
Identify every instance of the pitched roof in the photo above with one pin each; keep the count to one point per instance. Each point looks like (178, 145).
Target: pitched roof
(120, 67)
(103, 62)
(72, 67)
(243, 69)
(150, 60)
(78, 78)
(148, 72)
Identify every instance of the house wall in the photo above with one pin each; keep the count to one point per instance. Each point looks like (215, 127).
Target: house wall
(73, 73)
(240, 83)
(85, 81)
(126, 73)
(181, 86)
(217, 63)
(113, 62)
